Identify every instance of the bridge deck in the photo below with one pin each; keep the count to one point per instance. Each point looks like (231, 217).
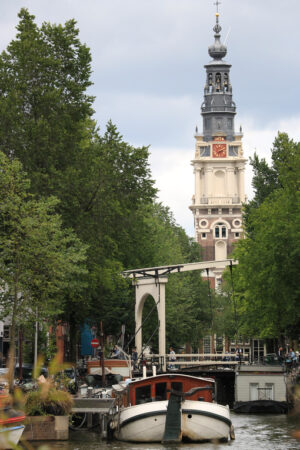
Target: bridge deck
(204, 363)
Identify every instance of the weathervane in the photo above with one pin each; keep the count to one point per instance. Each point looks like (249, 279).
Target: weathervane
(217, 5)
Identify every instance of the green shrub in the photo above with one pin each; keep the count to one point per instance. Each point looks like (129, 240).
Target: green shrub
(45, 402)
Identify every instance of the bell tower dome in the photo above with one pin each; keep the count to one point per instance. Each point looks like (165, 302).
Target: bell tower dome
(218, 163)
(218, 109)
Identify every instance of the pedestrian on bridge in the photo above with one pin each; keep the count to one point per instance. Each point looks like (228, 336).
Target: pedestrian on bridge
(134, 357)
(172, 358)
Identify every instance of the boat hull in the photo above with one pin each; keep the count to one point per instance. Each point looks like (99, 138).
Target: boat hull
(200, 421)
(142, 423)
(203, 421)
(261, 407)
(10, 436)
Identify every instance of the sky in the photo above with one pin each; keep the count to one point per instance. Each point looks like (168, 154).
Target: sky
(148, 74)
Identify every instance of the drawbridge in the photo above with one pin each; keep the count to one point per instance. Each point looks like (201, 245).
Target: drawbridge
(152, 281)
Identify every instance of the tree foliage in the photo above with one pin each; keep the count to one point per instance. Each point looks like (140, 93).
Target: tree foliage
(44, 75)
(187, 302)
(266, 278)
(39, 260)
(104, 185)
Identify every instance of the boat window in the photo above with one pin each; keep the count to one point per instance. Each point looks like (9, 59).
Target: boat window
(269, 391)
(161, 391)
(176, 386)
(143, 394)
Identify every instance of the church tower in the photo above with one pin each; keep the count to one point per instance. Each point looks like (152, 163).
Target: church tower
(219, 164)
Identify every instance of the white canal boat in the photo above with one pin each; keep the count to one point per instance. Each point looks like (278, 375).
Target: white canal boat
(10, 436)
(170, 408)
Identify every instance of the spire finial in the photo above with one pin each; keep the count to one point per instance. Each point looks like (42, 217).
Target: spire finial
(218, 50)
(217, 5)
(217, 27)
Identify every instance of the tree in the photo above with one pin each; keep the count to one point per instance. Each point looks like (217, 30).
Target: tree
(266, 278)
(104, 185)
(44, 107)
(101, 181)
(108, 208)
(187, 304)
(267, 178)
(39, 260)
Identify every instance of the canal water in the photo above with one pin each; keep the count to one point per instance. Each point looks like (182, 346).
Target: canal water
(252, 432)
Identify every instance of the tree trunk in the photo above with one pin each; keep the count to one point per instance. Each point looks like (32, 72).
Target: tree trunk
(12, 347)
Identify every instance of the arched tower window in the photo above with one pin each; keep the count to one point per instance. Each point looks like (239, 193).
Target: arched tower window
(220, 231)
(210, 81)
(226, 82)
(218, 81)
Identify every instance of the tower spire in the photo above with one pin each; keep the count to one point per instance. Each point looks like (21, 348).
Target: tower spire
(217, 5)
(218, 163)
(217, 50)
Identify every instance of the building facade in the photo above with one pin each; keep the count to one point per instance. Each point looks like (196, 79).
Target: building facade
(219, 163)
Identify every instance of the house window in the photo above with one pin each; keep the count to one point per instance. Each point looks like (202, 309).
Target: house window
(6, 332)
(258, 350)
(206, 344)
(247, 354)
(219, 344)
(203, 235)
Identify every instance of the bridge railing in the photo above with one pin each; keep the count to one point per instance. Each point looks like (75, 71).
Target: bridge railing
(194, 359)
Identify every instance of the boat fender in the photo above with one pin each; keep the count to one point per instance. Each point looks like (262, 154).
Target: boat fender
(113, 424)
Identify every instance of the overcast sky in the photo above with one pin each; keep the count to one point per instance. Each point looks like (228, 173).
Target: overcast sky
(148, 74)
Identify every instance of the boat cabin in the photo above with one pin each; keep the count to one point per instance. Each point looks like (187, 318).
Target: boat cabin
(158, 388)
(260, 388)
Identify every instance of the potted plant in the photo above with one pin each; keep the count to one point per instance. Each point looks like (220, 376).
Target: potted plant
(47, 410)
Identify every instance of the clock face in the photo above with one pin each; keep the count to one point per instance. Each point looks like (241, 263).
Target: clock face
(219, 150)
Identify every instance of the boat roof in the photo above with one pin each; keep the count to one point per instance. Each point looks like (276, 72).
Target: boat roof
(171, 375)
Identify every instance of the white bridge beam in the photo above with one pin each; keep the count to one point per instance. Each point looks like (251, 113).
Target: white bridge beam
(165, 270)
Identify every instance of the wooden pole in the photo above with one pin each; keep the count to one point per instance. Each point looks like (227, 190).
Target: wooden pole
(102, 354)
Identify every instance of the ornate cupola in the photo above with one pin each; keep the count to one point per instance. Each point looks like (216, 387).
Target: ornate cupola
(218, 109)
(218, 163)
